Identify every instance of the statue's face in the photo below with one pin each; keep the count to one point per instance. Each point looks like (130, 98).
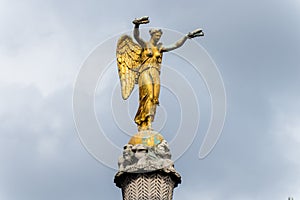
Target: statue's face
(156, 36)
(127, 151)
(139, 151)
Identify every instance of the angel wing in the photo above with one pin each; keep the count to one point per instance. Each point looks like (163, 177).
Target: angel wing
(129, 61)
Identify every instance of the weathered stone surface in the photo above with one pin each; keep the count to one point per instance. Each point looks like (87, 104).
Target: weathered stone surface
(141, 158)
(146, 170)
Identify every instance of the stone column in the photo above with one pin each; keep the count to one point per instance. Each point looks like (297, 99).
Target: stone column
(156, 185)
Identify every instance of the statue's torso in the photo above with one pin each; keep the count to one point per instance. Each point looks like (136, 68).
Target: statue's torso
(151, 57)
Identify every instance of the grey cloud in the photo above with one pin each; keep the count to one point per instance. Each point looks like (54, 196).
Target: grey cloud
(41, 156)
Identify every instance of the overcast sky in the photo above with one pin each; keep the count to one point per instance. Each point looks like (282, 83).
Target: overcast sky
(255, 45)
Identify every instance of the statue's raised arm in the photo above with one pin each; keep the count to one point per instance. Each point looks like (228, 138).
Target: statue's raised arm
(136, 31)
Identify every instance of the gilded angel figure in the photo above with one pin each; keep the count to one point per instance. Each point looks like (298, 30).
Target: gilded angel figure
(140, 63)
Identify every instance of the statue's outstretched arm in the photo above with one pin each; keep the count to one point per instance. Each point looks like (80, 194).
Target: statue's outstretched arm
(136, 30)
(179, 43)
(176, 45)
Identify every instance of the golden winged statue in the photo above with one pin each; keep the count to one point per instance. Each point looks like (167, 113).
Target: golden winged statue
(140, 63)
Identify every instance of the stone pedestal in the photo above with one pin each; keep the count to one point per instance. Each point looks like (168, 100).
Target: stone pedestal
(146, 171)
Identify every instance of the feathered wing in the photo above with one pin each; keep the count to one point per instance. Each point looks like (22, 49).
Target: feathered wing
(129, 62)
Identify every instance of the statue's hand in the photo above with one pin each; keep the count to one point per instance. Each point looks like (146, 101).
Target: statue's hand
(142, 20)
(195, 33)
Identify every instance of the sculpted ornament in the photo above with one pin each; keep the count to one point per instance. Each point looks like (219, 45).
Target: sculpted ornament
(141, 158)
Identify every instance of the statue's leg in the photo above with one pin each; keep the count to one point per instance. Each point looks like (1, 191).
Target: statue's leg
(156, 85)
(156, 88)
(144, 114)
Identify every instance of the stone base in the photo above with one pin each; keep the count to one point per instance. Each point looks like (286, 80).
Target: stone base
(155, 185)
(146, 171)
